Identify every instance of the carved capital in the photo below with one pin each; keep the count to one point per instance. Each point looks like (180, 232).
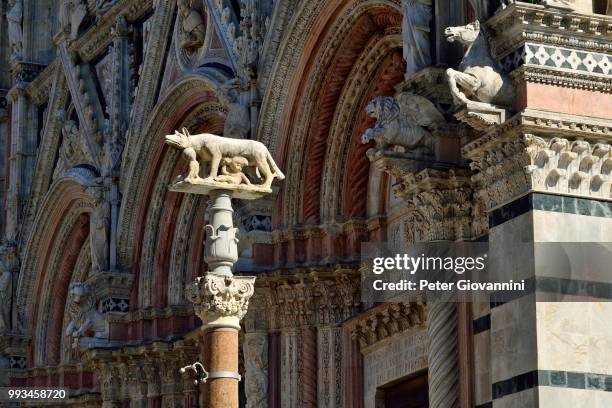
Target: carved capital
(509, 167)
(387, 320)
(221, 300)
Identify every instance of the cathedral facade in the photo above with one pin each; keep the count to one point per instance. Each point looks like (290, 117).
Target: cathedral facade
(399, 122)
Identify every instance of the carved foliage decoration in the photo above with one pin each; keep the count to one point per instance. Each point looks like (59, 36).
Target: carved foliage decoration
(217, 296)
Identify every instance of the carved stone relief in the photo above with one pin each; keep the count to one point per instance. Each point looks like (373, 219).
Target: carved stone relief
(256, 369)
(71, 15)
(14, 18)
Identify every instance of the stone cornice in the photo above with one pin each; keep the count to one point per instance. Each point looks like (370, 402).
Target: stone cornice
(521, 22)
(553, 153)
(563, 77)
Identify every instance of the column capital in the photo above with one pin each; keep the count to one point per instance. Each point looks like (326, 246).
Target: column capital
(220, 300)
(510, 166)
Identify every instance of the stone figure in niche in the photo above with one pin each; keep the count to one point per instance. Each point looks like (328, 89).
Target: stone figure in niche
(14, 18)
(402, 121)
(99, 228)
(238, 120)
(71, 144)
(479, 77)
(208, 149)
(193, 25)
(71, 15)
(112, 149)
(83, 314)
(415, 34)
(8, 264)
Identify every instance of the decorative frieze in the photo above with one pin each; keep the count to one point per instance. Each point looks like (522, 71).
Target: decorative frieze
(136, 373)
(387, 320)
(304, 299)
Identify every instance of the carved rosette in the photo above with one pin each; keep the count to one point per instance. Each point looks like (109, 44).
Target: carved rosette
(221, 301)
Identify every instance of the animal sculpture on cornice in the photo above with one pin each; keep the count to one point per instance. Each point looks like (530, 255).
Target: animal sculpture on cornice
(402, 121)
(212, 150)
(479, 77)
(83, 314)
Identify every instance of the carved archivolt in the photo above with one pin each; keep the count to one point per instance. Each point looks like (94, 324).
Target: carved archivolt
(66, 194)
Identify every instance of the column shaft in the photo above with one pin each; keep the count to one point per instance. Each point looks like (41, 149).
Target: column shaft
(221, 354)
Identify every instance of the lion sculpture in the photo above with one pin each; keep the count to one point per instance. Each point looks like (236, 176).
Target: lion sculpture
(401, 121)
(83, 315)
(207, 148)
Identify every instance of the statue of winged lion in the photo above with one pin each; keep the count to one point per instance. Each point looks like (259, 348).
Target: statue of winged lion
(402, 121)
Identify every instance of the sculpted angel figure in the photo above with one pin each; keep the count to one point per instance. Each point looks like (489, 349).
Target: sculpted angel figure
(415, 34)
(402, 121)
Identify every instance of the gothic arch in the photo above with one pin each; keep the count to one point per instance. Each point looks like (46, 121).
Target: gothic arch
(60, 231)
(345, 44)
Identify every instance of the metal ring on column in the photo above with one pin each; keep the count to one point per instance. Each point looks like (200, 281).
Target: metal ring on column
(224, 374)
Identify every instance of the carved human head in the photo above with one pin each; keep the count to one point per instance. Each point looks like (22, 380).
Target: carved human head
(466, 34)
